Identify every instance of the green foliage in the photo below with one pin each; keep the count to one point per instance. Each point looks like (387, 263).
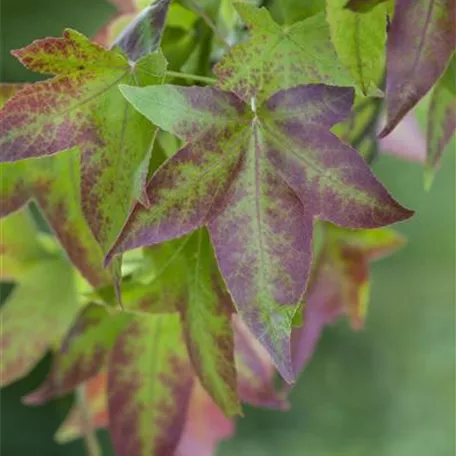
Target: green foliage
(253, 220)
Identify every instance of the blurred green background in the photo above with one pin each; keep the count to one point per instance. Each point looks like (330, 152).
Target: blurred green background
(386, 391)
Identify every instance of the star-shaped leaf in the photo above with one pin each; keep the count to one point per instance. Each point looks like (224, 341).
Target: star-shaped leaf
(256, 176)
(359, 40)
(421, 41)
(150, 382)
(275, 58)
(82, 106)
(340, 284)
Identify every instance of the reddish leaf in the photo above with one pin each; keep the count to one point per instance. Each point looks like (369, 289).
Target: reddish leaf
(149, 386)
(95, 400)
(421, 40)
(82, 354)
(340, 284)
(257, 176)
(206, 425)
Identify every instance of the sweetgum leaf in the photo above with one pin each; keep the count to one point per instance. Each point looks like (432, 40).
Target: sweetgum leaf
(82, 106)
(206, 425)
(96, 407)
(359, 40)
(143, 34)
(54, 183)
(256, 176)
(150, 381)
(82, 354)
(340, 284)
(291, 11)
(275, 58)
(362, 6)
(421, 40)
(441, 118)
(38, 312)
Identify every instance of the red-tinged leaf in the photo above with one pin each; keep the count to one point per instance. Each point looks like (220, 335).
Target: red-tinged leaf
(37, 313)
(441, 119)
(143, 34)
(82, 106)
(362, 6)
(421, 40)
(95, 402)
(255, 370)
(149, 386)
(256, 176)
(53, 182)
(206, 425)
(7, 90)
(274, 58)
(82, 354)
(340, 284)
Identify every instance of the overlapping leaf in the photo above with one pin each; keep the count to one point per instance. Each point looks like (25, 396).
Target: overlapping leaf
(256, 176)
(275, 58)
(38, 312)
(81, 106)
(291, 11)
(362, 6)
(150, 382)
(421, 40)
(82, 354)
(340, 284)
(359, 40)
(96, 411)
(441, 118)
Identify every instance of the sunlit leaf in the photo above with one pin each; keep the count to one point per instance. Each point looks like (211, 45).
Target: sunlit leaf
(274, 58)
(359, 40)
(256, 176)
(340, 284)
(82, 106)
(291, 11)
(149, 382)
(362, 6)
(420, 43)
(82, 354)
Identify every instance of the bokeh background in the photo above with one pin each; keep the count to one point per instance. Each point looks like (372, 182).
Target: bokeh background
(386, 391)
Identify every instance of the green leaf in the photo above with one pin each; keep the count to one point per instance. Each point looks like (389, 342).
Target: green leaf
(149, 386)
(363, 6)
(276, 58)
(37, 314)
(291, 11)
(82, 353)
(82, 106)
(441, 119)
(256, 176)
(359, 40)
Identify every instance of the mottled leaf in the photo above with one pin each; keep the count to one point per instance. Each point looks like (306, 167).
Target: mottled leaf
(362, 6)
(359, 40)
(82, 354)
(96, 412)
(255, 370)
(441, 119)
(275, 58)
(206, 425)
(340, 284)
(149, 386)
(37, 313)
(82, 106)
(421, 40)
(143, 34)
(256, 177)
(54, 183)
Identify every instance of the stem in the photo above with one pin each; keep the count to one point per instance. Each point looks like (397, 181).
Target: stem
(195, 77)
(90, 439)
(209, 23)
